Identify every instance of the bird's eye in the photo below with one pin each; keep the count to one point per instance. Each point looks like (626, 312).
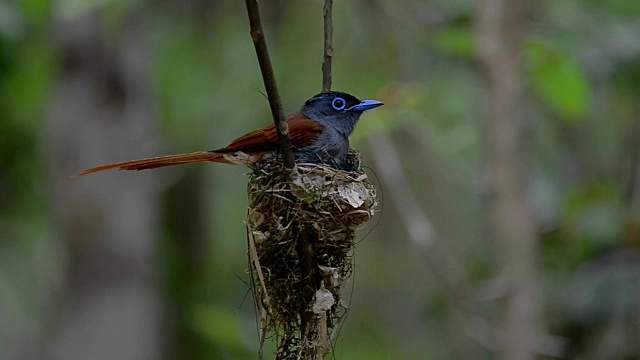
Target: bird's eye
(338, 104)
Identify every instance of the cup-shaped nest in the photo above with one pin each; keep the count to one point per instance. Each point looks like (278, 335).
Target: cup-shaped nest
(301, 227)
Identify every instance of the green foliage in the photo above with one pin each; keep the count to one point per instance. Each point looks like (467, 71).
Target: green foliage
(457, 41)
(365, 353)
(627, 8)
(26, 72)
(73, 8)
(27, 257)
(36, 11)
(558, 79)
(219, 326)
(594, 218)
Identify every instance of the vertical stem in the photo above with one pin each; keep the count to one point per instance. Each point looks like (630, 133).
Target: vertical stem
(305, 241)
(110, 301)
(328, 46)
(269, 79)
(500, 30)
(308, 286)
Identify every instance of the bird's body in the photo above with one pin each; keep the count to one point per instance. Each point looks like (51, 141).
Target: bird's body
(319, 134)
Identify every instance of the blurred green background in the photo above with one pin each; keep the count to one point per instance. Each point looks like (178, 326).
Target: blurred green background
(152, 265)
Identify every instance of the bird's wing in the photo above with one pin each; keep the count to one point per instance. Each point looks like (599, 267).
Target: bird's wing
(302, 130)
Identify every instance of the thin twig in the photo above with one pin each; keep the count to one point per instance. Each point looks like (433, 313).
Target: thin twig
(254, 263)
(328, 46)
(419, 228)
(260, 44)
(253, 253)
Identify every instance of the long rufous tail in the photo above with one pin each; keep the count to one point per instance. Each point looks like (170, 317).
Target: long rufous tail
(157, 162)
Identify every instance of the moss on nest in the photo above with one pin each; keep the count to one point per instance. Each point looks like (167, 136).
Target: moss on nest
(298, 217)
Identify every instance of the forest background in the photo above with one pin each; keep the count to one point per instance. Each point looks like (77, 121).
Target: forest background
(507, 156)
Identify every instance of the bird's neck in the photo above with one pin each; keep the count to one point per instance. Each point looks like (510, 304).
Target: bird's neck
(343, 125)
(347, 125)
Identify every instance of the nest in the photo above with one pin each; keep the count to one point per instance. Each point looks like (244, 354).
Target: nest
(301, 227)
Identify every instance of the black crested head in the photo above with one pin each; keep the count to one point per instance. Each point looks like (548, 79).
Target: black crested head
(342, 98)
(337, 109)
(338, 112)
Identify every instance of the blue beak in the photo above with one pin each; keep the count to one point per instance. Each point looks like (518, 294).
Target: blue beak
(366, 105)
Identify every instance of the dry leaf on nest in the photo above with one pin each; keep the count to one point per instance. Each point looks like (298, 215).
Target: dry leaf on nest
(323, 301)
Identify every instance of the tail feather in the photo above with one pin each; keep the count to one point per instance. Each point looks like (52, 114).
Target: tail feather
(158, 162)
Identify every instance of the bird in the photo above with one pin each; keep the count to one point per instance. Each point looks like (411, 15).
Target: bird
(319, 133)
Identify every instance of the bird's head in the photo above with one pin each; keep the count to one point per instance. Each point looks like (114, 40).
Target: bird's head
(337, 109)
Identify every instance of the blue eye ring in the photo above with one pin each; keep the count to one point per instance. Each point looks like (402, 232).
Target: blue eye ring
(339, 104)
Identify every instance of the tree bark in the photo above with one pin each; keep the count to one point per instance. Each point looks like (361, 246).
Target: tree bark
(500, 29)
(109, 306)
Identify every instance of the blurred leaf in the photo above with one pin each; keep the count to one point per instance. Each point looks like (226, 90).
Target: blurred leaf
(27, 84)
(72, 8)
(558, 80)
(623, 7)
(218, 325)
(26, 72)
(456, 41)
(366, 353)
(627, 77)
(37, 11)
(594, 216)
(402, 102)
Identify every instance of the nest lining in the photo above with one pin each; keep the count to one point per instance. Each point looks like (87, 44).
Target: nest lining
(295, 217)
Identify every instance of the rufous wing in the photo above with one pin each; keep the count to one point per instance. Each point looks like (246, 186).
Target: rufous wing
(302, 131)
(245, 150)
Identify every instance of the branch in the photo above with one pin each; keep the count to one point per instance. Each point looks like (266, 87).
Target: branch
(260, 44)
(328, 46)
(419, 228)
(501, 28)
